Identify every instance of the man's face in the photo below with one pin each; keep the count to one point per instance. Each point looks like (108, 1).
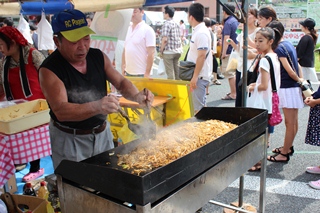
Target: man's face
(137, 15)
(74, 51)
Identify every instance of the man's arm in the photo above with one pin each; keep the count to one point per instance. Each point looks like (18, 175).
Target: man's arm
(122, 84)
(225, 46)
(199, 64)
(150, 59)
(164, 41)
(123, 65)
(56, 95)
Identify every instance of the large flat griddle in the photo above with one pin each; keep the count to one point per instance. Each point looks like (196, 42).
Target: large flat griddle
(101, 172)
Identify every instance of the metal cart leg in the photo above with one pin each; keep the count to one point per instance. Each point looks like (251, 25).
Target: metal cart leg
(262, 201)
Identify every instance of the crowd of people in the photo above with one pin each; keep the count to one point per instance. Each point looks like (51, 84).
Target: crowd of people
(269, 53)
(77, 118)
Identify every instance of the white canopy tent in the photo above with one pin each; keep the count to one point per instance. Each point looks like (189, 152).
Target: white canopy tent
(156, 18)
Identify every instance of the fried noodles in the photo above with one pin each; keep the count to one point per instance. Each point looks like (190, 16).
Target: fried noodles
(171, 144)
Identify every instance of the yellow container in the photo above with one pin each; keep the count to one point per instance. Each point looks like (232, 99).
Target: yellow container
(24, 116)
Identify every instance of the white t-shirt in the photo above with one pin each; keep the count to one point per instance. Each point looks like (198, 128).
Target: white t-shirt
(264, 64)
(240, 42)
(201, 40)
(136, 44)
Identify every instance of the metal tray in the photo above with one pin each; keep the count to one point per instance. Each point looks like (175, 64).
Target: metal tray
(116, 183)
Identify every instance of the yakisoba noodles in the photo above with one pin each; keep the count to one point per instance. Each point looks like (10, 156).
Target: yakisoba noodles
(173, 143)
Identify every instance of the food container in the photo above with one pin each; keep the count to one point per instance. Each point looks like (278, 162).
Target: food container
(20, 117)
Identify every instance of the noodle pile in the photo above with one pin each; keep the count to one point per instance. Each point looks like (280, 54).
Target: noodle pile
(171, 144)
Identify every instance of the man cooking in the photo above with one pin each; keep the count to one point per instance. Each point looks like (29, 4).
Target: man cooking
(73, 80)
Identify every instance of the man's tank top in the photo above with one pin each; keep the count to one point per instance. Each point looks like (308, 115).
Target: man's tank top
(81, 88)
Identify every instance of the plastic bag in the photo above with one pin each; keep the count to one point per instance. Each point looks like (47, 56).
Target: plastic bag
(45, 32)
(161, 67)
(24, 29)
(255, 99)
(233, 62)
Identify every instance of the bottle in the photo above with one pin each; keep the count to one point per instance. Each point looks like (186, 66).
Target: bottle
(29, 190)
(305, 87)
(44, 194)
(43, 191)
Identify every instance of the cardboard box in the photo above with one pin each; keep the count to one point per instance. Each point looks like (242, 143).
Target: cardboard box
(10, 186)
(35, 204)
(24, 116)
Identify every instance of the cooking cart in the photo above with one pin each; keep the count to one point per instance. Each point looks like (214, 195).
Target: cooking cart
(98, 185)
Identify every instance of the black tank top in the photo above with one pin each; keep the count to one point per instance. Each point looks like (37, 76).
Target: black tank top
(81, 88)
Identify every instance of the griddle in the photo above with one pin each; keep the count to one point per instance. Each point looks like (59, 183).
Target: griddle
(102, 174)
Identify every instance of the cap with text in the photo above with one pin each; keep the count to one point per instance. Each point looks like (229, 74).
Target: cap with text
(72, 24)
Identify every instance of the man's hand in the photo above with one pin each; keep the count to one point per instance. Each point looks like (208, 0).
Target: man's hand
(144, 97)
(109, 104)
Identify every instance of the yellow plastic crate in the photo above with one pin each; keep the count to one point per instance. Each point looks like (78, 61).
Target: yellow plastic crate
(24, 116)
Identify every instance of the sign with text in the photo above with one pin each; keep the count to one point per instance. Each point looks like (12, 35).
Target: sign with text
(105, 43)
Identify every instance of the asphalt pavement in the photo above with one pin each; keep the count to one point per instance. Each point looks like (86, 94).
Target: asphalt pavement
(287, 189)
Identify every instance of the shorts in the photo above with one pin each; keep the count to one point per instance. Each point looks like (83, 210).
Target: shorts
(223, 67)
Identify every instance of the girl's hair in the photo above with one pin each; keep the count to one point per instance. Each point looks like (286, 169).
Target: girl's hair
(254, 12)
(8, 41)
(278, 29)
(268, 33)
(267, 12)
(314, 35)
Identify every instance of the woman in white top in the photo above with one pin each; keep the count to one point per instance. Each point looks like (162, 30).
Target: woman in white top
(252, 52)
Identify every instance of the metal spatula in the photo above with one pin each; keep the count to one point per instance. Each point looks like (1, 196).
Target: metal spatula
(135, 128)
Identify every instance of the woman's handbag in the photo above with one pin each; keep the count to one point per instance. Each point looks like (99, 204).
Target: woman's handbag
(186, 68)
(275, 117)
(251, 75)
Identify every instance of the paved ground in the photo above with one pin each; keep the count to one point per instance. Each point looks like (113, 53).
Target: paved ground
(286, 184)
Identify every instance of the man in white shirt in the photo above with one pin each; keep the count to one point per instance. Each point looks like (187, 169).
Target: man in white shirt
(199, 53)
(139, 47)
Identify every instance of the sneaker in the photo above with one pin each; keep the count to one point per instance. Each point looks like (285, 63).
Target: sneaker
(216, 82)
(315, 184)
(220, 76)
(33, 175)
(313, 169)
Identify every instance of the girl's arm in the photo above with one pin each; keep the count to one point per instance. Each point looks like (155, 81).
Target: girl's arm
(265, 76)
(311, 102)
(288, 68)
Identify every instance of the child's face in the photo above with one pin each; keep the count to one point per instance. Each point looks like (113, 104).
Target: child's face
(263, 45)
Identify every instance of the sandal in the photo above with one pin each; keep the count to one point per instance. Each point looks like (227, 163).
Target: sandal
(255, 168)
(228, 97)
(216, 82)
(277, 150)
(273, 158)
(33, 175)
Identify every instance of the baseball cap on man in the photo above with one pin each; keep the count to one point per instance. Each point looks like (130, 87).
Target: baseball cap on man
(72, 24)
(308, 22)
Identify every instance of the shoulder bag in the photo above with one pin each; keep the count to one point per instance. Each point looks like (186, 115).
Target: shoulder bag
(186, 68)
(275, 117)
